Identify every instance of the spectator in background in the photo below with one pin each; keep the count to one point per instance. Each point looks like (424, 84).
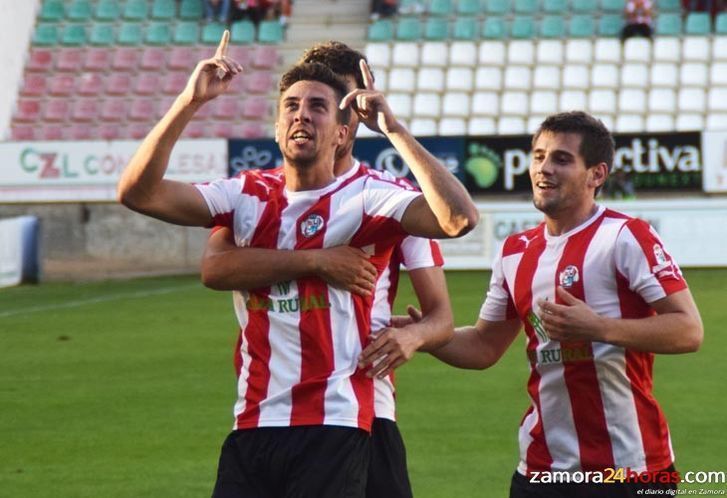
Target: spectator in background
(255, 10)
(383, 8)
(218, 8)
(638, 14)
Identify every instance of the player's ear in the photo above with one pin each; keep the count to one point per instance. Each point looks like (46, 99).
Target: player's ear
(343, 131)
(597, 175)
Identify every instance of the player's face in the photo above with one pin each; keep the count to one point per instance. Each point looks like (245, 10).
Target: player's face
(307, 128)
(561, 182)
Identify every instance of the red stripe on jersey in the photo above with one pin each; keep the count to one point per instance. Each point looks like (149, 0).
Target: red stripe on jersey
(258, 327)
(652, 424)
(237, 357)
(316, 339)
(223, 220)
(666, 272)
(363, 386)
(394, 266)
(436, 253)
(538, 456)
(580, 374)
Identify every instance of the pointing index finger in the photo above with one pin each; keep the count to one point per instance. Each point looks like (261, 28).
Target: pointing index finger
(222, 47)
(368, 78)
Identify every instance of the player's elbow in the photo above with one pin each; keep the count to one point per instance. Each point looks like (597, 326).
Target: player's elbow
(461, 224)
(211, 275)
(127, 195)
(694, 337)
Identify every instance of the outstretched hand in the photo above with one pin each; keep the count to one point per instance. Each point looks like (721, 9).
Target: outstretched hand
(572, 321)
(371, 105)
(212, 76)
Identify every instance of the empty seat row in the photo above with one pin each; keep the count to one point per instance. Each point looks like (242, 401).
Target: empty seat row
(500, 7)
(111, 10)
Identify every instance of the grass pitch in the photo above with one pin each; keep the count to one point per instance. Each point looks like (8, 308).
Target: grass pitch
(125, 389)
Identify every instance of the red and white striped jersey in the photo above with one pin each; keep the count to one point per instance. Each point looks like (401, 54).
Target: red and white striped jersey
(300, 340)
(591, 403)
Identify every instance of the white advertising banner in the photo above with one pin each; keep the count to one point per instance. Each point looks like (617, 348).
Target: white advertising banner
(88, 171)
(714, 154)
(693, 230)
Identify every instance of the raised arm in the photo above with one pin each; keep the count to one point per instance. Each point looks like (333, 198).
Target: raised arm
(142, 186)
(225, 266)
(446, 210)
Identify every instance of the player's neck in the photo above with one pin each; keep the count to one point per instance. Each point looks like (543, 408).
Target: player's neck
(308, 176)
(560, 223)
(343, 165)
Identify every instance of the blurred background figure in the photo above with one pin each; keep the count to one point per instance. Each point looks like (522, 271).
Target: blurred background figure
(216, 9)
(638, 15)
(383, 8)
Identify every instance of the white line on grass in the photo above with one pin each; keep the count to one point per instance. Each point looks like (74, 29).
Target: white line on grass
(95, 300)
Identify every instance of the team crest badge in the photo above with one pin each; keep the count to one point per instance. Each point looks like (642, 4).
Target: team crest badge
(569, 276)
(659, 255)
(311, 225)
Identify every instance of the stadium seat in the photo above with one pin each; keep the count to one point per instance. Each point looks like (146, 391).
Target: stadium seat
(575, 76)
(605, 76)
(522, 27)
(242, 32)
(378, 55)
(125, 59)
(185, 58)
(81, 131)
(552, 26)
(664, 74)
(381, 31)
(670, 5)
(717, 99)
(632, 100)
(23, 133)
(147, 83)
(256, 108)
(129, 34)
(698, 23)
(45, 35)
(84, 110)
(255, 130)
(533, 122)
(462, 53)
(465, 28)
(510, 125)
(56, 110)
(485, 104)
(186, 33)
(546, 77)
(581, 26)
(696, 49)
(264, 57)
(61, 85)
(514, 103)
(107, 10)
(692, 100)
(718, 74)
(195, 130)
(241, 54)
(496, 7)
(212, 33)
(109, 131)
(488, 78)
(720, 24)
(153, 58)
(74, 35)
(456, 104)
(584, 6)
(492, 53)
(660, 122)
(614, 6)
(51, 11)
(118, 84)
(136, 10)
(449, 127)
(526, 6)
(381, 80)
(114, 110)
(436, 28)
(427, 105)
(259, 82)
(402, 79)
(165, 103)
(494, 28)
(163, 9)
(440, 8)
(521, 52)
(79, 10)
(405, 54)
(662, 100)
(555, 6)
(610, 25)
(69, 59)
(629, 123)
(408, 29)
(90, 84)
(429, 79)
(39, 59)
(225, 108)
(607, 50)
(468, 7)
(269, 32)
(693, 74)
(27, 110)
(719, 48)
(637, 50)
(174, 83)
(101, 35)
(549, 52)
(400, 103)
(716, 122)
(518, 78)
(579, 51)
(544, 102)
(481, 126)
(689, 122)
(667, 49)
(204, 113)
(602, 101)
(426, 127)
(634, 75)
(34, 85)
(668, 24)
(190, 10)
(460, 79)
(158, 33)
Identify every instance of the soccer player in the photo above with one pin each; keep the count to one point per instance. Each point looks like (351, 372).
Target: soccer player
(306, 407)
(598, 295)
(228, 267)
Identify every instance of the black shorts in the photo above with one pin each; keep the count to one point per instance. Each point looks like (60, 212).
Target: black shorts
(388, 476)
(293, 462)
(521, 487)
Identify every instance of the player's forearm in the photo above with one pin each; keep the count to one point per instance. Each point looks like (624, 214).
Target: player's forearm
(435, 329)
(141, 180)
(466, 350)
(668, 333)
(252, 268)
(446, 196)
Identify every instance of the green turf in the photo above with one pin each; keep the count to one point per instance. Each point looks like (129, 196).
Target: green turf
(125, 389)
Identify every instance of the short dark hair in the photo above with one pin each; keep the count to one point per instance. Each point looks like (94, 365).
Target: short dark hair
(597, 145)
(338, 57)
(317, 72)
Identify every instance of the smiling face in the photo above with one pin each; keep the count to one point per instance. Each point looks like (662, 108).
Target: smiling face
(307, 129)
(563, 186)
